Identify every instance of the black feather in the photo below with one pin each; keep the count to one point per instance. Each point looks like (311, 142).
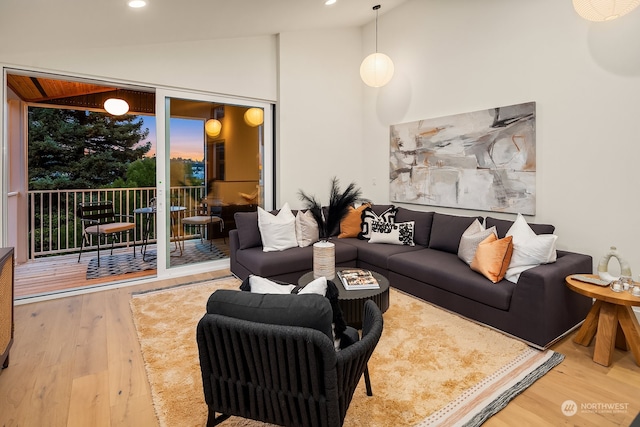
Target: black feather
(339, 203)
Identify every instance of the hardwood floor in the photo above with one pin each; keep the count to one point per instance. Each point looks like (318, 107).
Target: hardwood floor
(76, 361)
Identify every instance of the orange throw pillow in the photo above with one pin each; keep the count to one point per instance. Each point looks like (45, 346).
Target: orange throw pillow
(351, 224)
(492, 257)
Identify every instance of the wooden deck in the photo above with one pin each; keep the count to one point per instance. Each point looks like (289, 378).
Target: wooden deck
(56, 274)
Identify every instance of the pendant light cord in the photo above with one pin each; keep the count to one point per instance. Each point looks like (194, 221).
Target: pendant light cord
(376, 7)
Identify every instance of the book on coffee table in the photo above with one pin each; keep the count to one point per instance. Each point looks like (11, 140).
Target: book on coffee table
(354, 279)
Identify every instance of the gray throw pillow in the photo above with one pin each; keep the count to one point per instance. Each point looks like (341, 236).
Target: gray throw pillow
(471, 238)
(248, 230)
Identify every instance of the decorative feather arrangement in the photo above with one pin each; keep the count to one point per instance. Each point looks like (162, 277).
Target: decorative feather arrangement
(339, 202)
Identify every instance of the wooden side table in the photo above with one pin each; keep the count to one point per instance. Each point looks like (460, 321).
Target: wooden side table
(611, 320)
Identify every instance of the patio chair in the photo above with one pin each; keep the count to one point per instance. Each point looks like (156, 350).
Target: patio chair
(271, 358)
(99, 219)
(201, 217)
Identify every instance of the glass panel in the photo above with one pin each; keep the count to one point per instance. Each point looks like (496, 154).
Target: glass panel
(215, 170)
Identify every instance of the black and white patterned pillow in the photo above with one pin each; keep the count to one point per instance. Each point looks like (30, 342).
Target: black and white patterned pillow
(369, 216)
(399, 233)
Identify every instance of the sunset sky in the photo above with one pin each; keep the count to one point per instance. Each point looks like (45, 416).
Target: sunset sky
(187, 137)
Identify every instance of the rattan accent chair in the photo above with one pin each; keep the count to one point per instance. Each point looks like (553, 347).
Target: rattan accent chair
(265, 370)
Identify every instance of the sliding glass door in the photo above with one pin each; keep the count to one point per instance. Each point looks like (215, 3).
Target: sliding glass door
(214, 159)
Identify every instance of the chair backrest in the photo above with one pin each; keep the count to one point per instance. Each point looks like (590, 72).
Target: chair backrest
(264, 370)
(101, 212)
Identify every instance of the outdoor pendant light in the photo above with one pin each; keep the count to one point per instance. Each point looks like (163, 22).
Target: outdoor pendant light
(254, 117)
(377, 69)
(213, 127)
(116, 106)
(604, 10)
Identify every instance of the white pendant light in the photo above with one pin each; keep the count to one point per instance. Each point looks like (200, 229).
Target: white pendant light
(213, 127)
(377, 69)
(604, 10)
(254, 117)
(116, 106)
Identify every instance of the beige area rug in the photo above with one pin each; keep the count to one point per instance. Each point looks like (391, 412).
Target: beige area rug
(430, 367)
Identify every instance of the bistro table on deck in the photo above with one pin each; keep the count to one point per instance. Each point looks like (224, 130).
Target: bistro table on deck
(150, 212)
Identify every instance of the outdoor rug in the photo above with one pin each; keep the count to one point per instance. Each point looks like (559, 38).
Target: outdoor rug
(111, 265)
(430, 367)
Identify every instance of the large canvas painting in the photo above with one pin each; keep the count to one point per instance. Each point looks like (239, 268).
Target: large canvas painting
(485, 160)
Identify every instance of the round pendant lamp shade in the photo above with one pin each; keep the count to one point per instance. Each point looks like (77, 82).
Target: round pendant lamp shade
(213, 127)
(116, 106)
(376, 70)
(604, 10)
(254, 117)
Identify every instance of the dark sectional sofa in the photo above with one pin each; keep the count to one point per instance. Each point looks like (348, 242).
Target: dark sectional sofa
(538, 309)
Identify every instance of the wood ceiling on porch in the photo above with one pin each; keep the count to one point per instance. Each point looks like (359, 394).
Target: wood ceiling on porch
(77, 94)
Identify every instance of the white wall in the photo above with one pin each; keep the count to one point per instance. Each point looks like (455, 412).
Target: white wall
(243, 67)
(320, 113)
(460, 56)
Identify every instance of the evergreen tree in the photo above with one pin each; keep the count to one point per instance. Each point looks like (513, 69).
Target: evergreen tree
(82, 149)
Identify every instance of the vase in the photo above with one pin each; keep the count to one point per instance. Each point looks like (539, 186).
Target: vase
(324, 260)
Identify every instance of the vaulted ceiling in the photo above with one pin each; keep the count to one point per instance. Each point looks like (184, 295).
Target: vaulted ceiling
(161, 21)
(90, 24)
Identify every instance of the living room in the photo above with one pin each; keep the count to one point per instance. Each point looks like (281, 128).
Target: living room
(450, 58)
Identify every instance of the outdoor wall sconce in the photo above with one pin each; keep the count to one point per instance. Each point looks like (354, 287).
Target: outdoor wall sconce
(213, 127)
(377, 69)
(254, 117)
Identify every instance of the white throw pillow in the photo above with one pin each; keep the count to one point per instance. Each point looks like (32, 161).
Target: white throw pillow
(306, 229)
(529, 249)
(399, 233)
(316, 286)
(262, 285)
(369, 216)
(278, 232)
(471, 238)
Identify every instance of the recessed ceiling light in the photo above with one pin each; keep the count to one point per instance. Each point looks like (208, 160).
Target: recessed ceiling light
(329, 2)
(137, 3)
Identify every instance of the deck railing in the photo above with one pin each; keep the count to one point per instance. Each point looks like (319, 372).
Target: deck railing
(55, 229)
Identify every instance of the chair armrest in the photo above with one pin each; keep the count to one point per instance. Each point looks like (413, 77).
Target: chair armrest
(123, 216)
(352, 361)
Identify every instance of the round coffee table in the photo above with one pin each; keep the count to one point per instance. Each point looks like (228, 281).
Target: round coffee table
(352, 302)
(611, 320)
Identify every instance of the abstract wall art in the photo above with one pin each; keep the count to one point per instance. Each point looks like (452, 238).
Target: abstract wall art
(484, 160)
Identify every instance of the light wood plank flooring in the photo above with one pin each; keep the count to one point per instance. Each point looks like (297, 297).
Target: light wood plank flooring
(76, 361)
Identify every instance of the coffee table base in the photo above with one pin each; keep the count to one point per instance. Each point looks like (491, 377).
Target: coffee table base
(353, 309)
